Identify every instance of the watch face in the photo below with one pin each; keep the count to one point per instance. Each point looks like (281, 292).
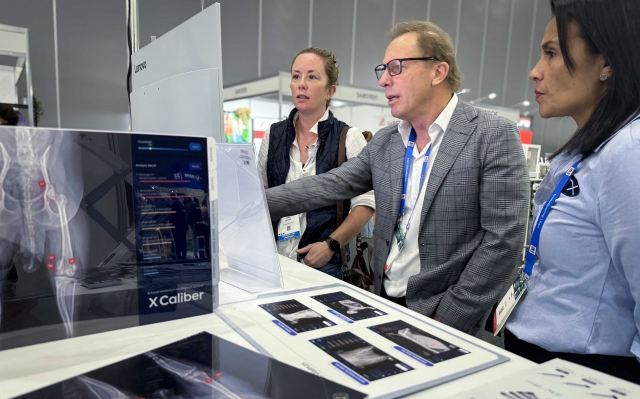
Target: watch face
(333, 245)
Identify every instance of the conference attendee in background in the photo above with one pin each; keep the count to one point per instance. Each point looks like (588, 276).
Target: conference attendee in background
(451, 248)
(306, 144)
(8, 116)
(583, 300)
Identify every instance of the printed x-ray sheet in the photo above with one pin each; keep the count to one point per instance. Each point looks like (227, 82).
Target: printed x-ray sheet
(555, 379)
(357, 340)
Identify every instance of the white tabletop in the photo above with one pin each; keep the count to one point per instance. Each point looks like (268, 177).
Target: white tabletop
(29, 368)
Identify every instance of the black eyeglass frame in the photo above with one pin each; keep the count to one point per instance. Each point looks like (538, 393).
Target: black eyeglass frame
(385, 67)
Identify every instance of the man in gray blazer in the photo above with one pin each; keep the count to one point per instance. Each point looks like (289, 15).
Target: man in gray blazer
(463, 172)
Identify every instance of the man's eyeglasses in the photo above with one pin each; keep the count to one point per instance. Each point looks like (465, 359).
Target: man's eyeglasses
(395, 66)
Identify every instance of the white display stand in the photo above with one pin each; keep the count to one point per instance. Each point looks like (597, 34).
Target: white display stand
(357, 340)
(14, 44)
(177, 79)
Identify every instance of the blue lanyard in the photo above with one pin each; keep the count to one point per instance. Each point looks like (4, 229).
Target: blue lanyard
(546, 207)
(408, 162)
(544, 212)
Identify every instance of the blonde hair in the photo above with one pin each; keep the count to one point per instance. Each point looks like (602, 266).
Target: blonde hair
(433, 42)
(330, 65)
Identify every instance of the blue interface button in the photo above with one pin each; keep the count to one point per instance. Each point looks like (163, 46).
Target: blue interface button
(284, 327)
(194, 146)
(195, 166)
(350, 373)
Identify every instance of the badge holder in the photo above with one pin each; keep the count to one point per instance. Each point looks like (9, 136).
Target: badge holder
(509, 301)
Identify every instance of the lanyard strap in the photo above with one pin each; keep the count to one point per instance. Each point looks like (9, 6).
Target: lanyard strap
(544, 212)
(408, 162)
(546, 207)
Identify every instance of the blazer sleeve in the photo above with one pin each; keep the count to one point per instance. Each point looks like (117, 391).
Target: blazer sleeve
(504, 209)
(312, 192)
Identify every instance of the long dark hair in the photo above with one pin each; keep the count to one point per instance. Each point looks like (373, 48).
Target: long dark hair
(610, 28)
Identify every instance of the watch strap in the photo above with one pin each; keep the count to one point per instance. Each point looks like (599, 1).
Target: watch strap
(334, 245)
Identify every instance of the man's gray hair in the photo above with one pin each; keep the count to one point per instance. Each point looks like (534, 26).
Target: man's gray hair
(433, 42)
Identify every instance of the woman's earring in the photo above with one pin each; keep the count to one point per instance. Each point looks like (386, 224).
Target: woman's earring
(604, 77)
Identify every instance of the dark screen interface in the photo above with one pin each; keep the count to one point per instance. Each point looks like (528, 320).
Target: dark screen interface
(132, 247)
(201, 366)
(170, 188)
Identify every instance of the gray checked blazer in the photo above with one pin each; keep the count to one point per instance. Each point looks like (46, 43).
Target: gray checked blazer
(472, 225)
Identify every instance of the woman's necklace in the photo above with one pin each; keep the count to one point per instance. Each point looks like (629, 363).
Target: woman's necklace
(299, 129)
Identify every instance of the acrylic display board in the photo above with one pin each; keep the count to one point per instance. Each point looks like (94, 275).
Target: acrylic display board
(356, 340)
(200, 366)
(249, 259)
(103, 230)
(555, 379)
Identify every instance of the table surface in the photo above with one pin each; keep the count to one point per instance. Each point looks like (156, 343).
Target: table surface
(29, 368)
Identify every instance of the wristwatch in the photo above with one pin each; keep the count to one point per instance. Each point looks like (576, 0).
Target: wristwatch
(334, 245)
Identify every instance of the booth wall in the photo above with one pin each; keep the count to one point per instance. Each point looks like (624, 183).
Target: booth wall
(260, 37)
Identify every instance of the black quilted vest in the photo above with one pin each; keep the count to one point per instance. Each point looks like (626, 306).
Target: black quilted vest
(322, 221)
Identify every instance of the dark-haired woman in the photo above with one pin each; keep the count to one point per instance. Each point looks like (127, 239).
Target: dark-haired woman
(305, 144)
(583, 300)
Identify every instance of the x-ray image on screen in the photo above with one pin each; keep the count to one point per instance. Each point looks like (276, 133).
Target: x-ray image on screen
(201, 366)
(100, 231)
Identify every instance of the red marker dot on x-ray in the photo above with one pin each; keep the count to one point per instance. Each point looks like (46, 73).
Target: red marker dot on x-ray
(52, 257)
(72, 261)
(208, 380)
(42, 183)
(49, 265)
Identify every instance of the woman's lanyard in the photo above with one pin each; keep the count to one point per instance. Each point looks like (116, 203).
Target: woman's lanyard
(513, 295)
(401, 233)
(544, 212)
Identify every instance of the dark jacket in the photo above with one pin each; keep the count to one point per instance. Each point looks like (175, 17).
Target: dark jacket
(322, 221)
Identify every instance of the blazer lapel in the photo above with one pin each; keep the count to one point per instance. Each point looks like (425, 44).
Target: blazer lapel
(396, 163)
(459, 130)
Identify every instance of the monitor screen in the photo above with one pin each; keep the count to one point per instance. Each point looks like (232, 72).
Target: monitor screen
(200, 366)
(102, 231)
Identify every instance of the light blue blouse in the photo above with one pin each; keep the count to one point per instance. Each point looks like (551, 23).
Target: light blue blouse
(584, 292)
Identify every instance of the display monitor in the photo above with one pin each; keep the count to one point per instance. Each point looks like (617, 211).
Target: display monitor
(200, 366)
(102, 230)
